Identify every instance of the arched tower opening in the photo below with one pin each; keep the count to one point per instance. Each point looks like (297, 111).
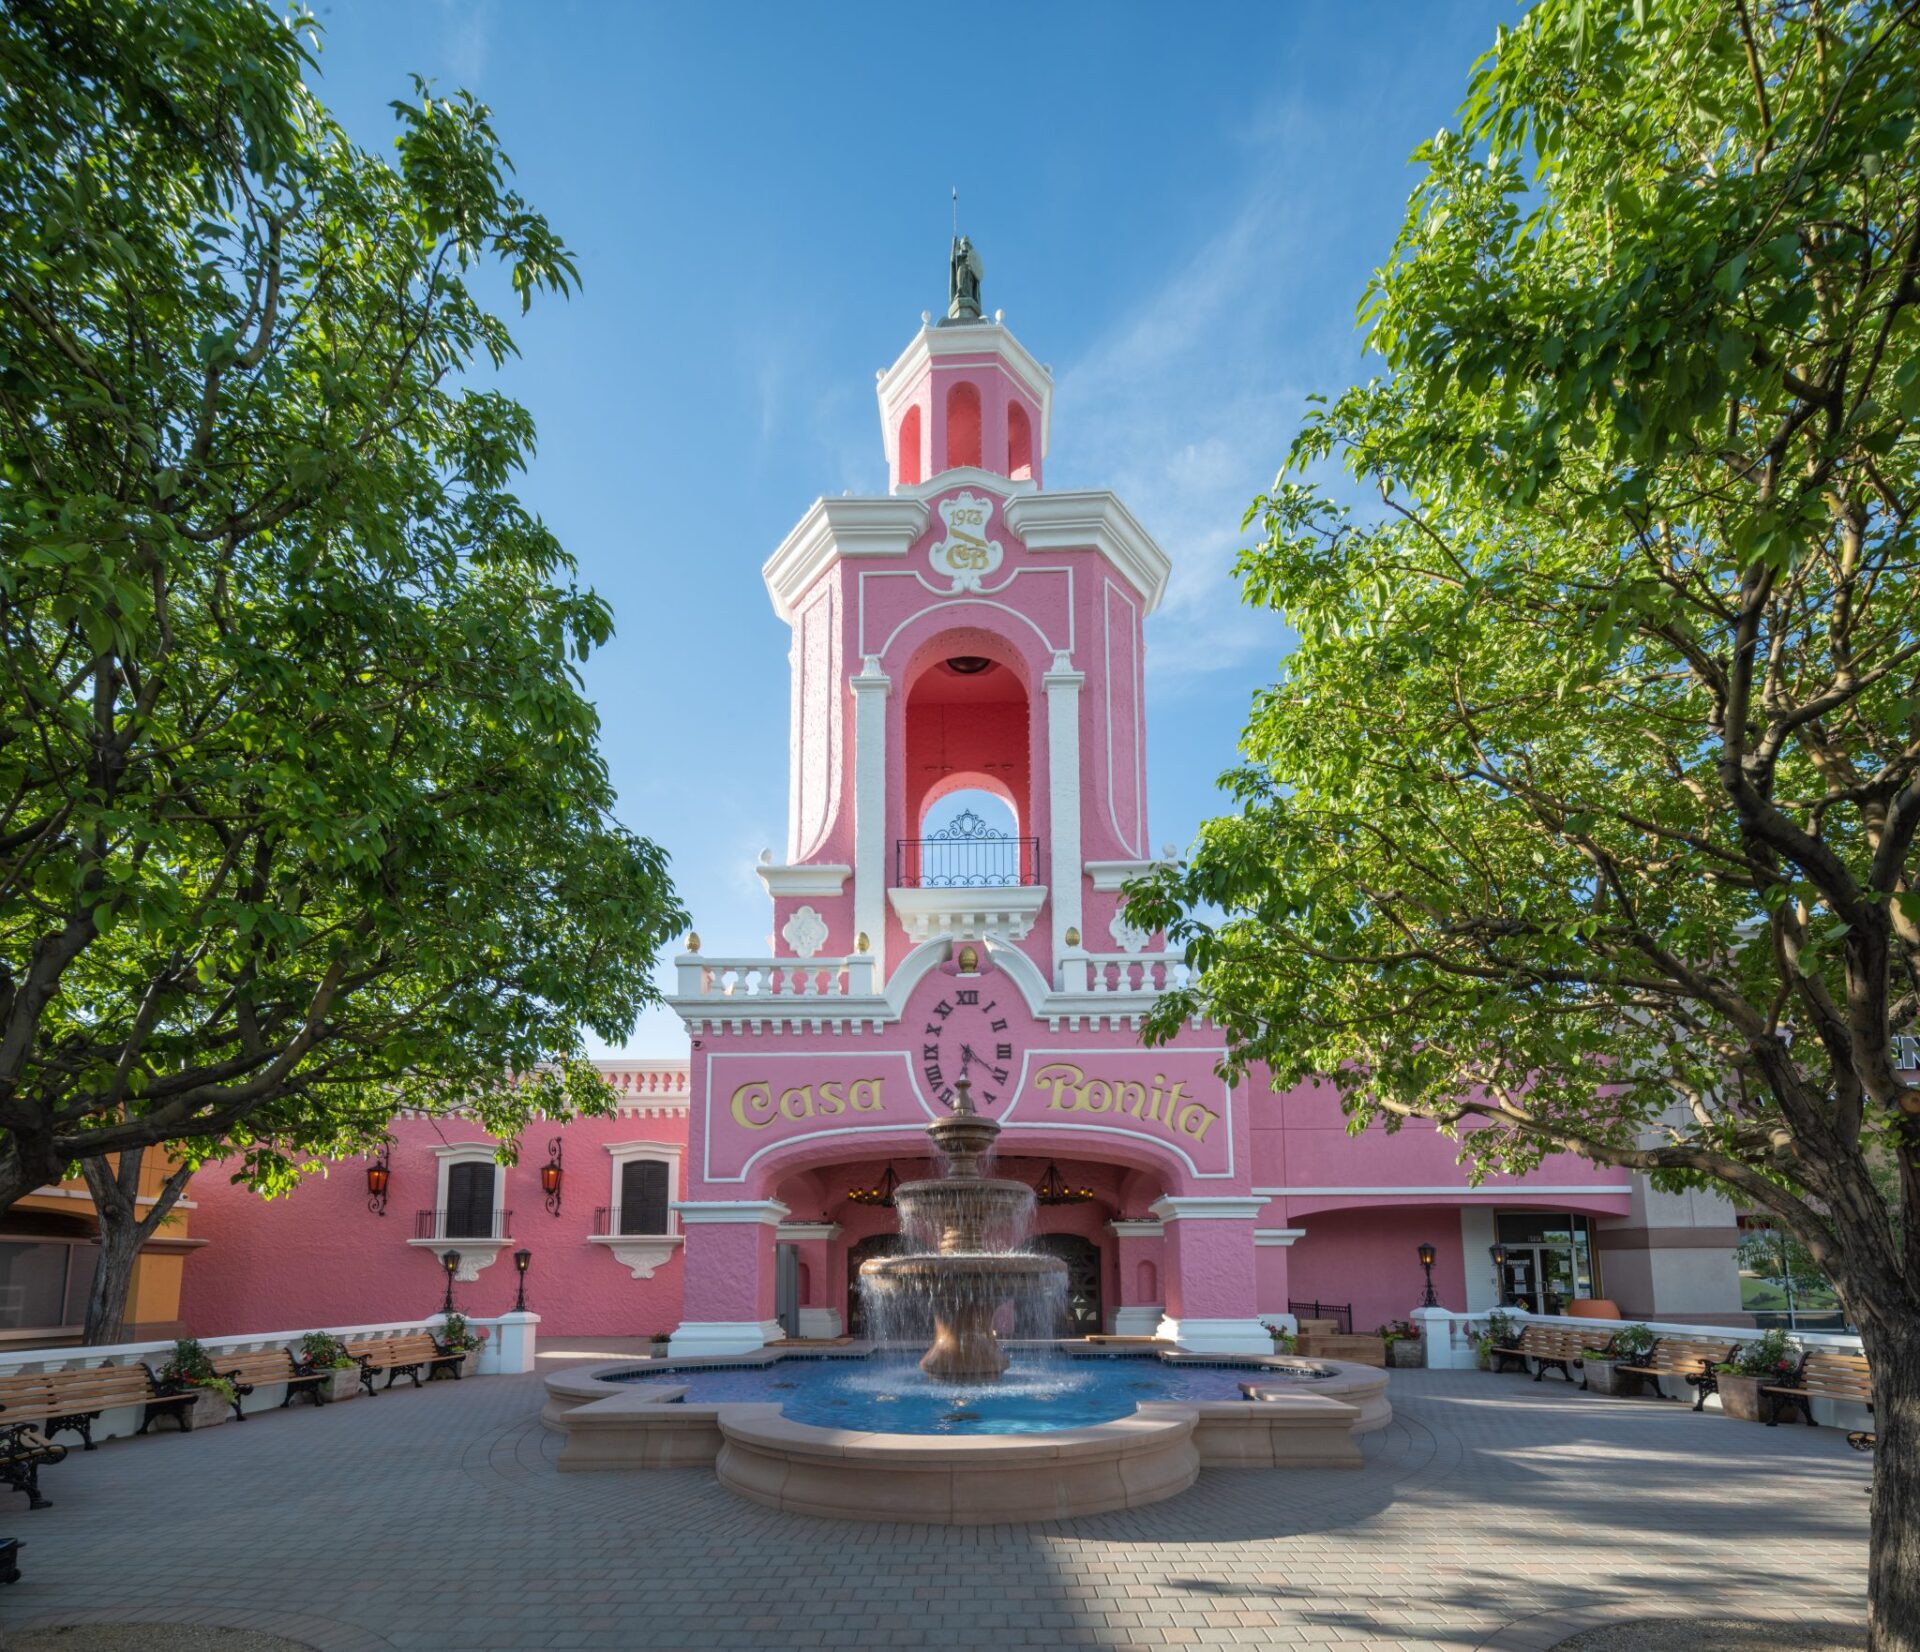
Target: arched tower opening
(909, 448)
(1019, 443)
(963, 425)
(968, 728)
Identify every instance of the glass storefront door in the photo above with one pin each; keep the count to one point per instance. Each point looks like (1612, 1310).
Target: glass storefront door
(1549, 1261)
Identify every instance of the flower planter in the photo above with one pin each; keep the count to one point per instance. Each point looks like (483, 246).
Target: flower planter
(343, 1383)
(209, 1410)
(1740, 1396)
(1406, 1354)
(1604, 1377)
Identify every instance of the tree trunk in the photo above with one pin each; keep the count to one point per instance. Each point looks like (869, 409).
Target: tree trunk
(112, 1279)
(123, 1230)
(1893, 1560)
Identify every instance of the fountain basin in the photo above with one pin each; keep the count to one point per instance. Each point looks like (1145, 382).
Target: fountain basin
(623, 1415)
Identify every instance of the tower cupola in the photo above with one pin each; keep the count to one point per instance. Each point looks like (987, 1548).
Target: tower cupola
(964, 394)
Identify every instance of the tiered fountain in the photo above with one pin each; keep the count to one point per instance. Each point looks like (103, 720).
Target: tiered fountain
(973, 1267)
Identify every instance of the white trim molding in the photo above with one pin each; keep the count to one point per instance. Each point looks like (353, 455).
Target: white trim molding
(1269, 1237)
(1109, 875)
(977, 338)
(1217, 1336)
(1207, 1207)
(1003, 914)
(804, 880)
(819, 1324)
(1096, 521)
(1526, 1190)
(1122, 1227)
(699, 1212)
(716, 1336)
(834, 528)
(476, 1255)
(641, 1254)
(1138, 1319)
(793, 1232)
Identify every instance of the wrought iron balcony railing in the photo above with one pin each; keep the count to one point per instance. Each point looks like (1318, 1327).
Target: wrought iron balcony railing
(463, 1224)
(967, 854)
(610, 1222)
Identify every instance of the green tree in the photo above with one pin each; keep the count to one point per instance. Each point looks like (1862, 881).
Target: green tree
(302, 816)
(1583, 815)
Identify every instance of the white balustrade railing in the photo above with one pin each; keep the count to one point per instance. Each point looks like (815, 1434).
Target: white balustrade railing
(762, 978)
(1124, 974)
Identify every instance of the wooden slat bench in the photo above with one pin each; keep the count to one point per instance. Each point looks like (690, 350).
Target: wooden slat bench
(70, 1401)
(250, 1371)
(1691, 1359)
(1820, 1377)
(404, 1356)
(1548, 1346)
(23, 1449)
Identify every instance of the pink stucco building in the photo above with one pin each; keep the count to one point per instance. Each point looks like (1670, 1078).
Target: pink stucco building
(971, 631)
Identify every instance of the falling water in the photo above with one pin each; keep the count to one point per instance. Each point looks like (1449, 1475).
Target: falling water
(975, 1277)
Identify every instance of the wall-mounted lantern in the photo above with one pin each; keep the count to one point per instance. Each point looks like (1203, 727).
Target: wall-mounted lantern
(379, 1176)
(451, 1262)
(550, 1174)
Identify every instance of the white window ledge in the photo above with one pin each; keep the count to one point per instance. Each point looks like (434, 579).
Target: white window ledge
(642, 1253)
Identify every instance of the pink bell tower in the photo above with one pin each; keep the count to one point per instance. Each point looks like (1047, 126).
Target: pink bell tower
(968, 630)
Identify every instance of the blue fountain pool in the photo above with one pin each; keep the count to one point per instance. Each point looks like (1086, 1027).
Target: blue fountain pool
(889, 1393)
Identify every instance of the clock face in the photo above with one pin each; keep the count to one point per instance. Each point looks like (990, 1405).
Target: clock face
(966, 1032)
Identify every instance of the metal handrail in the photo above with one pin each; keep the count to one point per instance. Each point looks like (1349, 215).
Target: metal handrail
(432, 1224)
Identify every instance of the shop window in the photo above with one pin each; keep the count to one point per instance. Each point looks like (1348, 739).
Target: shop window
(33, 1283)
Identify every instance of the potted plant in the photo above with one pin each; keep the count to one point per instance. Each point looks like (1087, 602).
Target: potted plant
(459, 1337)
(190, 1366)
(323, 1351)
(1284, 1341)
(1770, 1358)
(1501, 1330)
(1404, 1349)
(1630, 1345)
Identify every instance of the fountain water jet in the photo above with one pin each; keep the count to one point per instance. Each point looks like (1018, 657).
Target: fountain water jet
(976, 1226)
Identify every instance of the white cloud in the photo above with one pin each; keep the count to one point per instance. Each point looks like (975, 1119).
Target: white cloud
(1184, 409)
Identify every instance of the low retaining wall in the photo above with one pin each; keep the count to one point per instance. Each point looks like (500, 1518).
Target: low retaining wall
(1155, 1453)
(508, 1349)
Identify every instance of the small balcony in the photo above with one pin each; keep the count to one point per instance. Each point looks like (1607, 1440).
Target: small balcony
(967, 854)
(486, 1227)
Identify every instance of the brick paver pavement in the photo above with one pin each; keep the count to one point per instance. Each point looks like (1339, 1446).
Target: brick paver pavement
(1493, 1512)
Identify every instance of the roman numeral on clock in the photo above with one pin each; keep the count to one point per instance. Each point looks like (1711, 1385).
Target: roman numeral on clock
(1003, 1052)
(968, 995)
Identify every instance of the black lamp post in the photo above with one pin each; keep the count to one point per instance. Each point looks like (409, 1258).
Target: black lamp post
(451, 1262)
(1428, 1255)
(520, 1260)
(1499, 1255)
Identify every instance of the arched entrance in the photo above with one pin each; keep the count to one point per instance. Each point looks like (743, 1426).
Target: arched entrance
(1082, 1257)
(876, 1244)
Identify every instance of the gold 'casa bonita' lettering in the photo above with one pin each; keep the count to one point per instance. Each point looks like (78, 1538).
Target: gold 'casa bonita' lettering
(754, 1105)
(1071, 1091)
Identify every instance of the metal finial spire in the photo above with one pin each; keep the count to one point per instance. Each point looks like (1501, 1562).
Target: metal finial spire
(956, 212)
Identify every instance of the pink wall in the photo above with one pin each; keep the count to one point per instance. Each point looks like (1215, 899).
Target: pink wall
(320, 1257)
(1370, 1259)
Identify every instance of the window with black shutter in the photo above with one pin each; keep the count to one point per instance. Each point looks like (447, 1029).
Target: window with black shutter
(644, 1193)
(470, 1200)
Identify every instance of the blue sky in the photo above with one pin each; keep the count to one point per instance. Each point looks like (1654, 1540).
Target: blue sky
(1178, 208)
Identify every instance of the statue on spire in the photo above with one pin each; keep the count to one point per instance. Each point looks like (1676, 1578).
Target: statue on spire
(963, 281)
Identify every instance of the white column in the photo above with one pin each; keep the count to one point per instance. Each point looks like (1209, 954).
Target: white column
(509, 1351)
(870, 690)
(1062, 684)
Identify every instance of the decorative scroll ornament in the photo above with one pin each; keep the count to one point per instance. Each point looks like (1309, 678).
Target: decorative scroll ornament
(805, 932)
(1125, 936)
(967, 556)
